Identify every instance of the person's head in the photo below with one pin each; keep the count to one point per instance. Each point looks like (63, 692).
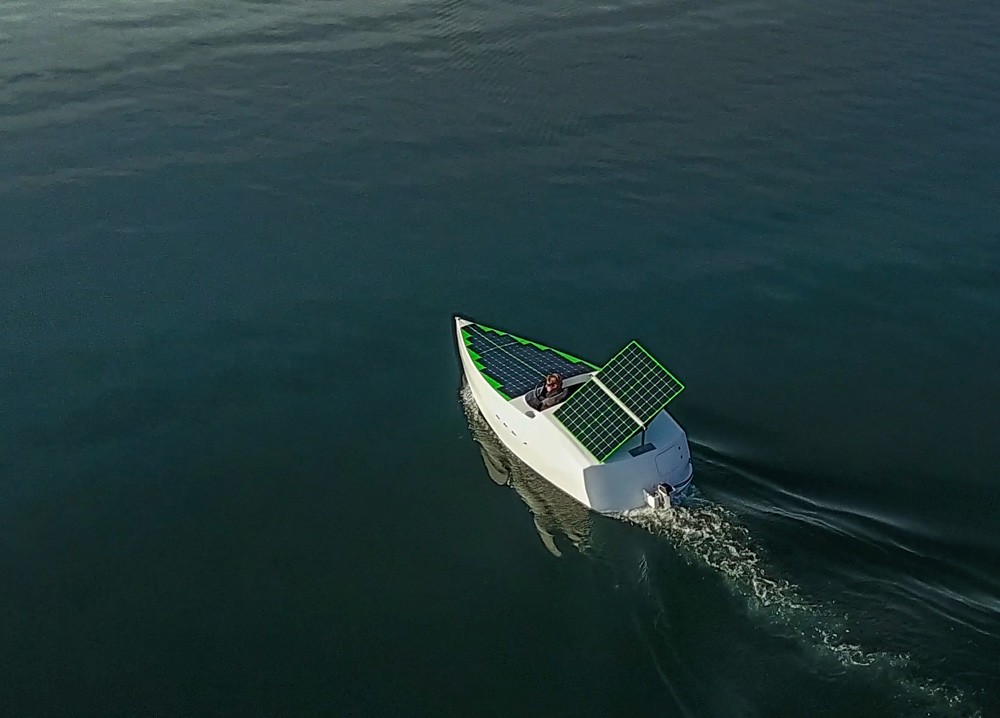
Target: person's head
(553, 382)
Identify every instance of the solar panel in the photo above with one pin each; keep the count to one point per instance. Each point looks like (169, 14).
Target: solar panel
(595, 414)
(639, 381)
(596, 420)
(516, 365)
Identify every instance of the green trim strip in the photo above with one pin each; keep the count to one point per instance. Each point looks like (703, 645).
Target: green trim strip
(495, 384)
(575, 360)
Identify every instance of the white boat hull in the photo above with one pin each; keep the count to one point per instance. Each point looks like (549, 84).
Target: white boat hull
(617, 485)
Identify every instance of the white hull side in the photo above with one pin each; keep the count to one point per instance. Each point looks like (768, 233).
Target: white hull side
(534, 440)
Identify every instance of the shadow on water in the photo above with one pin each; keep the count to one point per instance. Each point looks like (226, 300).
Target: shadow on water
(705, 535)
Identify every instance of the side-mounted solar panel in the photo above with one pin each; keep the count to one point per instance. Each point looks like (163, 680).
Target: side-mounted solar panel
(640, 382)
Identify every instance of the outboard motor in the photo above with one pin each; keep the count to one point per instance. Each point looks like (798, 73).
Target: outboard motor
(659, 497)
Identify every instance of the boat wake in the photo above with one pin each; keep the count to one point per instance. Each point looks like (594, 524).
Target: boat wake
(711, 534)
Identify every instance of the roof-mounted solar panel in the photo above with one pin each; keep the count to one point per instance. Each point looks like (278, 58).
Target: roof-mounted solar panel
(513, 365)
(622, 398)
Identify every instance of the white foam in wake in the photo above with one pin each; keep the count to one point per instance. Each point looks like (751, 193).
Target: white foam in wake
(711, 534)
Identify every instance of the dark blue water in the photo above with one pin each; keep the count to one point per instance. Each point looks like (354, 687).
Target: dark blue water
(237, 476)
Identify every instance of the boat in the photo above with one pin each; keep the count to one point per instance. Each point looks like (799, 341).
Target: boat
(611, 444)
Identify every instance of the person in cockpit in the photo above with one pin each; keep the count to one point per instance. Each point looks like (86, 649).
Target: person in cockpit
(548, 395)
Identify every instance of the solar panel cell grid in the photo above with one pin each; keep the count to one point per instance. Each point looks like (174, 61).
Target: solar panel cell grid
(517, 366)
(596, 420)
(640, 382)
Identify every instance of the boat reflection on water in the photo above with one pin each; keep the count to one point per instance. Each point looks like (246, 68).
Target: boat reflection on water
(554, 512)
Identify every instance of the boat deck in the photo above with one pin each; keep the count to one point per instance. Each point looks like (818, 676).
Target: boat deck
(513, 365)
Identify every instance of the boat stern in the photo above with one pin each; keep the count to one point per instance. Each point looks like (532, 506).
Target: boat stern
(656, 473)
